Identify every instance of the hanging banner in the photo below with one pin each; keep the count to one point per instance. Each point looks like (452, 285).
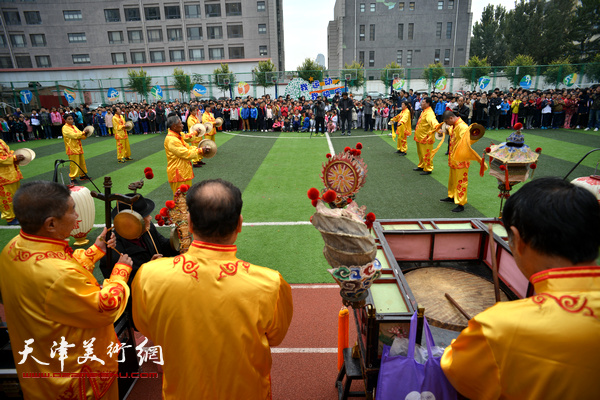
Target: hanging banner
(570, 80)
(525, 82)
(484, 82)
(70, 95)
(243, 89)
(198, 90)
(157, 92)
(441, 83)
(398, 84)
(298, 87)
(113, 94)
(26, 96)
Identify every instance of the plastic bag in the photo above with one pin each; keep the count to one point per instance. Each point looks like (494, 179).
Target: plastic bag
(400, 348)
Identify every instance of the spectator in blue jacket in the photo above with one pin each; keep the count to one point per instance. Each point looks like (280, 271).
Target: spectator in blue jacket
(440, 107)
(253, 117)
(245, 116)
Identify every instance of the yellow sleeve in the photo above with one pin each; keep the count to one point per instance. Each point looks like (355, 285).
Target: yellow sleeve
(182, 151)
(282, 316)
(432, 120)
(470, 365)
(117, 123)
(7, 156)
(396, 117)
(88, 257)
(76, 299)
(70, 133)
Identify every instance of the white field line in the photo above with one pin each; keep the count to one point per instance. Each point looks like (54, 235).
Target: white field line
(304, 286)
(331, 150)
(289, 223)
(290, 350)
(292, 137)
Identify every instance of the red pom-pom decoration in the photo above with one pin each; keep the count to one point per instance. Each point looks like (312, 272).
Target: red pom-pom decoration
(313, 193)
(346, 149)
(158, 217)
(161, 222)
(170, 204)
(314, 202)
(147, 169)
(359, 145)
(328, 155)
(487, 149)
(164, 212)
(538, 150)
(149, 175)
(329, 196)
(353, 152)
(369, 224)
(349, 201)
(518, 126)
(358, 152)
(184, 188)
(370, 217)
(533, 166)
(502, 167)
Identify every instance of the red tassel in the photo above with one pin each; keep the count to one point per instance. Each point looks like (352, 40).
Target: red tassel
(482, 166)
(507, 183)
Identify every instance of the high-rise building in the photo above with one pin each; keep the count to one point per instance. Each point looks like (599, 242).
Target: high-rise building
(412, 33)
(320, 60)
(80, 33)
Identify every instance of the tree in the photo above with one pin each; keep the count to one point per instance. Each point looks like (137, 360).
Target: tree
(182, 82)
(524, 33)
(519, 67)
(310, 71)
(433, 72)
(475, 69)
(585, 32)
(349, 69)
(488, 39)
(389, 71)
(593, 70)
(557, 71)
(219, 77)
(261, 78)
(139, 82)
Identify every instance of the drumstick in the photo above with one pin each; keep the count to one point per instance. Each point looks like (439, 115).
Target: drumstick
(155, 248)
(118, 252)
(494, 264)
(459, 308)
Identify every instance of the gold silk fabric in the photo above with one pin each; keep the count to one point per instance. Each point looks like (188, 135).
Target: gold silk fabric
(459, 135)
(118, 127)
(9, 171)
(179, 156)
(543, 347)
(215, 317)
(424, 132)
(209, 117)
(50, 293)
(72, 137)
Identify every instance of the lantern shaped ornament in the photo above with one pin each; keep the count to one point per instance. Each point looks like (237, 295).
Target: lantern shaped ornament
(84, 205)
(591, 183)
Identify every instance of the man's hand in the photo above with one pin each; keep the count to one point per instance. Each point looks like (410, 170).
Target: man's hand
(206, 150)
(125, 259)
(19, 157)
(156, 257)
(101, 242)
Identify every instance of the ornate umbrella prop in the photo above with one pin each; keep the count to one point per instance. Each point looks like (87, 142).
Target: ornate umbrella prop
(512, 162)
(175, 213)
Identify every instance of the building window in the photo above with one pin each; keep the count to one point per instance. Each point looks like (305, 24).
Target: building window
(132, 14)
(372, 7)
(361, 33)
(135, 37)
(18, 40)
(409, 58)
(6, 62)
(37, 40)
(213, 10)
(362, 7)
(157, 56)
(262, 50)
(399, 57)
(436, 58)
(152, 13)
(235, 31)
(172, 12)
(216, 54)
(411, 31)
(214, 32)
(236, 53)
(23, 61)
(81, 58)
(43, 61)
(77, 37)
(401, 6)
(440, 5)
(438, 30)
(138, 57)
(262, 29)
(449, 30)
(75, 15)
(361, 57)
(192, 11)
(119, 58)
(401, 31)
(177, 55)
(261, 6)
(372, 32)
(112, 15)
(4, 43)
(196, 54)
(447, 57)
(411, 6)
(233, 9)
(371, 58)
(12, 18)
(32, 18)
(115, 37)
(154, 35)
(450, 4)
(194, 33)
(174, 34)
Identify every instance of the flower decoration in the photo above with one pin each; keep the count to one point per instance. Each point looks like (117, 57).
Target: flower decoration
(329, 196)
(184, 188)
(160, 222)
(170, 204)
(347, 149)
(164, 212)
(328, 155)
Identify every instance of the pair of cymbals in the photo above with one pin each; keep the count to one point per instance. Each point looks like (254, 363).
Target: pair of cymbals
(27, 153)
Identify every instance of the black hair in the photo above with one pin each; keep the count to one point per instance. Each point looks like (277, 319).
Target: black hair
(215, 207)
(556, 218)
(37, 201)
(428, 100)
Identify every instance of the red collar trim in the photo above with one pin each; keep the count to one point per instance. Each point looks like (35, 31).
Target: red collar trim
(215, 247)
(569, 272)
(43, 239)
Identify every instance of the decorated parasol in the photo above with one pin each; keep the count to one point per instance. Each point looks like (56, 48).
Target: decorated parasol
(175, 213)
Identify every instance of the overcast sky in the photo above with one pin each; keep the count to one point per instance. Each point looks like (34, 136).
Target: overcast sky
(305, 26)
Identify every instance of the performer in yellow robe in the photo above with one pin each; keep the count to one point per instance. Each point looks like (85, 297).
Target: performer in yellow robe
(179, 155)
(245, 308)
(545, 346)
(209, 117)
(123, 149)
(10, 180)
(60, 320)
(73, 137)
(404, 128)
(191, 137)
(425, 136)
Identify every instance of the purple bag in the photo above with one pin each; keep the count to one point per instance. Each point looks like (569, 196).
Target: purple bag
(402, 378)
